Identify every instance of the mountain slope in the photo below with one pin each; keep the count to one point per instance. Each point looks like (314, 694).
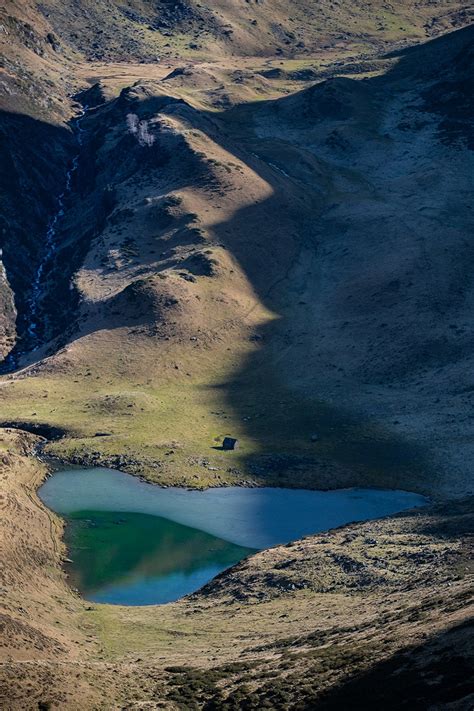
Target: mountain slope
(276, 270)
(114, 30)
(265, 234)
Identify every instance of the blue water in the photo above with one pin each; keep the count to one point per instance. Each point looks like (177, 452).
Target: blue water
(194, 535)
(156, 590)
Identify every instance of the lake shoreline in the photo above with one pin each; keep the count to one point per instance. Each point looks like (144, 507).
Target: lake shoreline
(129, 466)
(91, 646)
(107, 511)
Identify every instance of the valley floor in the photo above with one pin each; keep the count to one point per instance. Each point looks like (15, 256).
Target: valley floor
(334, 620)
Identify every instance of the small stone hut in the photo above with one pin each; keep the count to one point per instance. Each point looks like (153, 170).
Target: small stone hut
(230, 443)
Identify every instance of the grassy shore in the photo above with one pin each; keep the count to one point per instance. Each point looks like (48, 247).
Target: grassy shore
(301, 619)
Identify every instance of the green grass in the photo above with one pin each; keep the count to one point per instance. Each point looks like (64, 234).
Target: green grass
(173, 429)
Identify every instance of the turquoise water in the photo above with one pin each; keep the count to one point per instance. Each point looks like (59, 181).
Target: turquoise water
(138, 559)
(135, 543)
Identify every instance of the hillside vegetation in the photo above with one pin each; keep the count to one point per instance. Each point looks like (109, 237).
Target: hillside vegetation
(332, 621)
(248, 219)
(248, 252)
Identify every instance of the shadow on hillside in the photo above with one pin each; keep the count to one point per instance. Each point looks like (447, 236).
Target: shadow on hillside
(349, 449)
(33, 155)
(436, 674)
(283, 420)
(452, 520)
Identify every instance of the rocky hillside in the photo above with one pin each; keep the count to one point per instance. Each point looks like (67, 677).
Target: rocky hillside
(248, 219)
(293, 271)
(115, 30)
(7, 315)
(371, 615)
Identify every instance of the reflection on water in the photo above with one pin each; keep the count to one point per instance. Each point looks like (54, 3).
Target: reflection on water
(138, 559)
(135, 543)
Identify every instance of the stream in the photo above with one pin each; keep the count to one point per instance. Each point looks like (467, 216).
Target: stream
(51, 245)
(32, 338)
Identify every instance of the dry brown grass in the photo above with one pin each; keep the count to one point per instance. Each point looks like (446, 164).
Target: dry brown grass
(298, 611)
(296, 214)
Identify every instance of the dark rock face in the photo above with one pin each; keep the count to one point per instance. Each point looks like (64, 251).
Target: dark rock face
(92, 97)
(41, 429)
(7, 314)
(452, 100)
(336, 99)
(34, 156)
